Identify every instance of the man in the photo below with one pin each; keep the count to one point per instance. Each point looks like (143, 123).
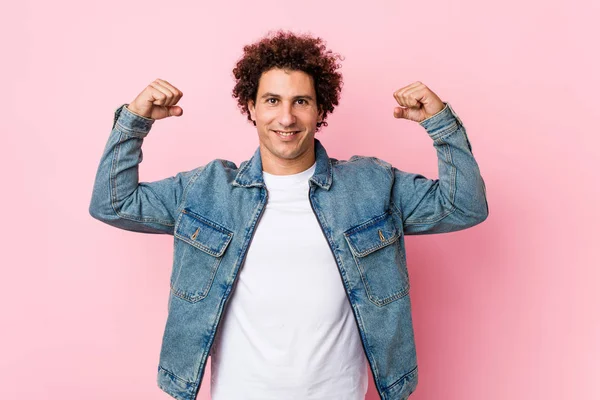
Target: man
(290, 270)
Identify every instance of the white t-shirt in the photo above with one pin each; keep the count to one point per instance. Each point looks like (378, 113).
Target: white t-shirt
(288, 331)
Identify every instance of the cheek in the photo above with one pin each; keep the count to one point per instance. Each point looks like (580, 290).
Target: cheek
(261, 114)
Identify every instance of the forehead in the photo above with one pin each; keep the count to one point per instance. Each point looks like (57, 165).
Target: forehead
(286, 82)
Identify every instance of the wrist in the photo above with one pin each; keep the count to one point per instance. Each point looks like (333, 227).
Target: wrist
(137, 112)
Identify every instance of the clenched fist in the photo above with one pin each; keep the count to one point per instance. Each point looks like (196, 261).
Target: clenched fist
(417, 102)
(157, 101)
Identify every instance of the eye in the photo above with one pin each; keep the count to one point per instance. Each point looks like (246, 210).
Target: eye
(271, 98)
(303, 100)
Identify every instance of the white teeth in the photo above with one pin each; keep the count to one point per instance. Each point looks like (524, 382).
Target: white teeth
(285, 133)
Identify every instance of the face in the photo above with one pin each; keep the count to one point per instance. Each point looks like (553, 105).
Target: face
(286, 116)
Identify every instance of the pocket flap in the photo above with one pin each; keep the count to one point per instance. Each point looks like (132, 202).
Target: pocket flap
(202, 233)
(372, 235)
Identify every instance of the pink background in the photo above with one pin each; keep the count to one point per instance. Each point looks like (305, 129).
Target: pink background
(506, 310)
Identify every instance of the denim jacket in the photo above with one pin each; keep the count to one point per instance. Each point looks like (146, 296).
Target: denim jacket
(364, 205)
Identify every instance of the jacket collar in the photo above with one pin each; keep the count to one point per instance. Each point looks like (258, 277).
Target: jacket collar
(250, 173)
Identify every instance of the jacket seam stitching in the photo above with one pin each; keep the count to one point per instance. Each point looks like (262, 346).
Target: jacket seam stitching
(129, 131)
(403, 377)
(221, 310)
(367, 224)
(202, 247)
(242, 172)
(396, 210)
(371, 249)
(175, 376)
(376, 376)
(196, 297)
(448, 153)
(186, 189)
(356, 311)
(370, 293)
(114, 190)
(441, 135)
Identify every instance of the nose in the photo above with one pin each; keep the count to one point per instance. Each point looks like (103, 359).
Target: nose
(286, 116)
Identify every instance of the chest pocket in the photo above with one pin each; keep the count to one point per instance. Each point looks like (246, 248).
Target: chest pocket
(377, 251)
(199, 248)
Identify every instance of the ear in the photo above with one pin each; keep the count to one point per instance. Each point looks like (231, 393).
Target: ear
(252, 110)
(320, 118)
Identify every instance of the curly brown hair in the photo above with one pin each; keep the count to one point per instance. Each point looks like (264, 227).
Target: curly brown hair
(289, 51)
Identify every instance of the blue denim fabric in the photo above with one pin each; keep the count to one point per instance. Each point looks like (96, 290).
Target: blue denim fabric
(364, 205)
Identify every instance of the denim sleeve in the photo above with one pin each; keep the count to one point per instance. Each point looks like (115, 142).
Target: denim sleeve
(118, 198)
(455, 201)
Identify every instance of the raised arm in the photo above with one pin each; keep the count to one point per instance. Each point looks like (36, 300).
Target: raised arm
(455, 201)
(118, 198)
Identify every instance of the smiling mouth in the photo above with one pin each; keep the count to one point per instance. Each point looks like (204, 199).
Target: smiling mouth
(286, 133)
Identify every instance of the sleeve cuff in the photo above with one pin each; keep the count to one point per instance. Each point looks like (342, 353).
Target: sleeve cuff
(442, 122)
(132, 123)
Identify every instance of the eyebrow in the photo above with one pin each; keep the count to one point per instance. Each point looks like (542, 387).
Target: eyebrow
(269, 94)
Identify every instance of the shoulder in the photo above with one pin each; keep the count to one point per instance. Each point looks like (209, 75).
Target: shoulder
(215, 167)
(224, 164)
(362, 162)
